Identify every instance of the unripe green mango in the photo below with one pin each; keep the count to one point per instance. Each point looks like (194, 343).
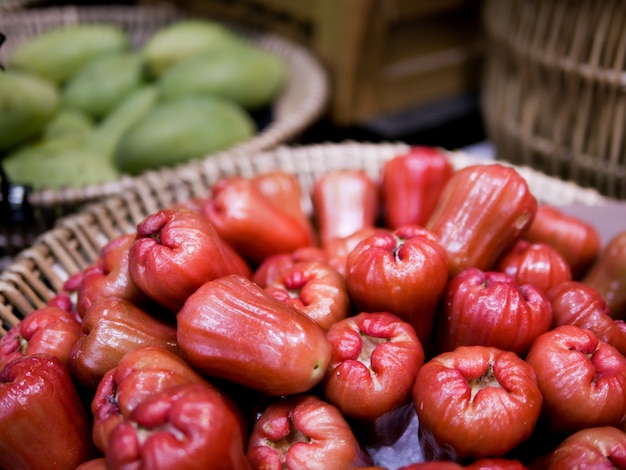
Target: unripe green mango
(183, 39)
(246, 74)
(127, 112)
(59, 163)
(180, 130)
(103, 82)
(27, 103)
(59, 53)
(68, 122)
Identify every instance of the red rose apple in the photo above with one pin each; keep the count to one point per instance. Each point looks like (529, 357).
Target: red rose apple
(475, 402)
(582, 379)
(491, 309)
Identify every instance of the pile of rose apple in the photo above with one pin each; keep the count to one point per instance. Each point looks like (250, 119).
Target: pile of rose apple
(239, 331)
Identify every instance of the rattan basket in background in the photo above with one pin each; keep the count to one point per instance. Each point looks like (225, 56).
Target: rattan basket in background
(39, 272)
(555, 88)
(301, 102)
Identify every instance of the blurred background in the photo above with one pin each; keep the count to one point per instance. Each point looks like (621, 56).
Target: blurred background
(405, 70)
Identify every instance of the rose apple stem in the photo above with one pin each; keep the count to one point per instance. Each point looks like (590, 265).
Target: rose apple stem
(369, 343)
(295, 435)
(488, 379)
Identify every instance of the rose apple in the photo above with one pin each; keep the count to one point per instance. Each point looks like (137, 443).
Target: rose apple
(338, 249)
(253, 224)
(177, 251)
(601, 447)
(411, 183)
(316, 289)
(578, 241)
(109, 276)
(99, 463)
(538, 264)
(483, 210)
(47, 330)
(138, 374)
(582, 379)
(375, 358)
(344, 201)
(232, 329)
(303, 431)
(475, 402)
(433, 465)
(111, 328)
(272, 268)
(43, 423)
(285, 191)
(403, 272)
(480, 464)
(184, 427)
(607, 275)
(575, 303)
(496, 464)
(489, 308)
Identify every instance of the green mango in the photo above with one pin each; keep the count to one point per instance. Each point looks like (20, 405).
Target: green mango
(103, 82)
(126, 113)
(59, 53)
(27, 103)
(181, 40)
(180, 130)
(246, 74)
(59, 163)
(68, 122)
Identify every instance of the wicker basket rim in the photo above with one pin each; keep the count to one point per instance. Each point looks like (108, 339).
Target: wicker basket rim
(302, 101)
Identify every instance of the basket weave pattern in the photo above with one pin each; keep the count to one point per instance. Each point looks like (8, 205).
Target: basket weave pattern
(555, 88)
(39, 272)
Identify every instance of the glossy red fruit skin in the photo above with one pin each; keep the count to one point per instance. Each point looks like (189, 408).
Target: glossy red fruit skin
(411, 184)
(43, 423)
(538, 264)
(344, 201)
(47, 330)
(582, 379)
(285, 190)
(403, 272)
(304, 431)
(374, 362)
(483, 211)
(575, 303)
(489, 308)
(338, 249)
(111, 328)
(316, 289)
(184, 427)
(479, 464)
(272, 268)
(475, 402)
(252, 223)
(109, 276)
(138, 374)
(607, 275)
(601, 447)
(232, 329)
(578, 241)
(175, 252)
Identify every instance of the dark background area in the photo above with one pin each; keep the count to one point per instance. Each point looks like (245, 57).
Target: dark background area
(451, 124)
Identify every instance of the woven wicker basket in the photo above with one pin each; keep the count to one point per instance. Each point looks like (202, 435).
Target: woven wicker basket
(38, 273)
(301, 102)
(555, 88)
